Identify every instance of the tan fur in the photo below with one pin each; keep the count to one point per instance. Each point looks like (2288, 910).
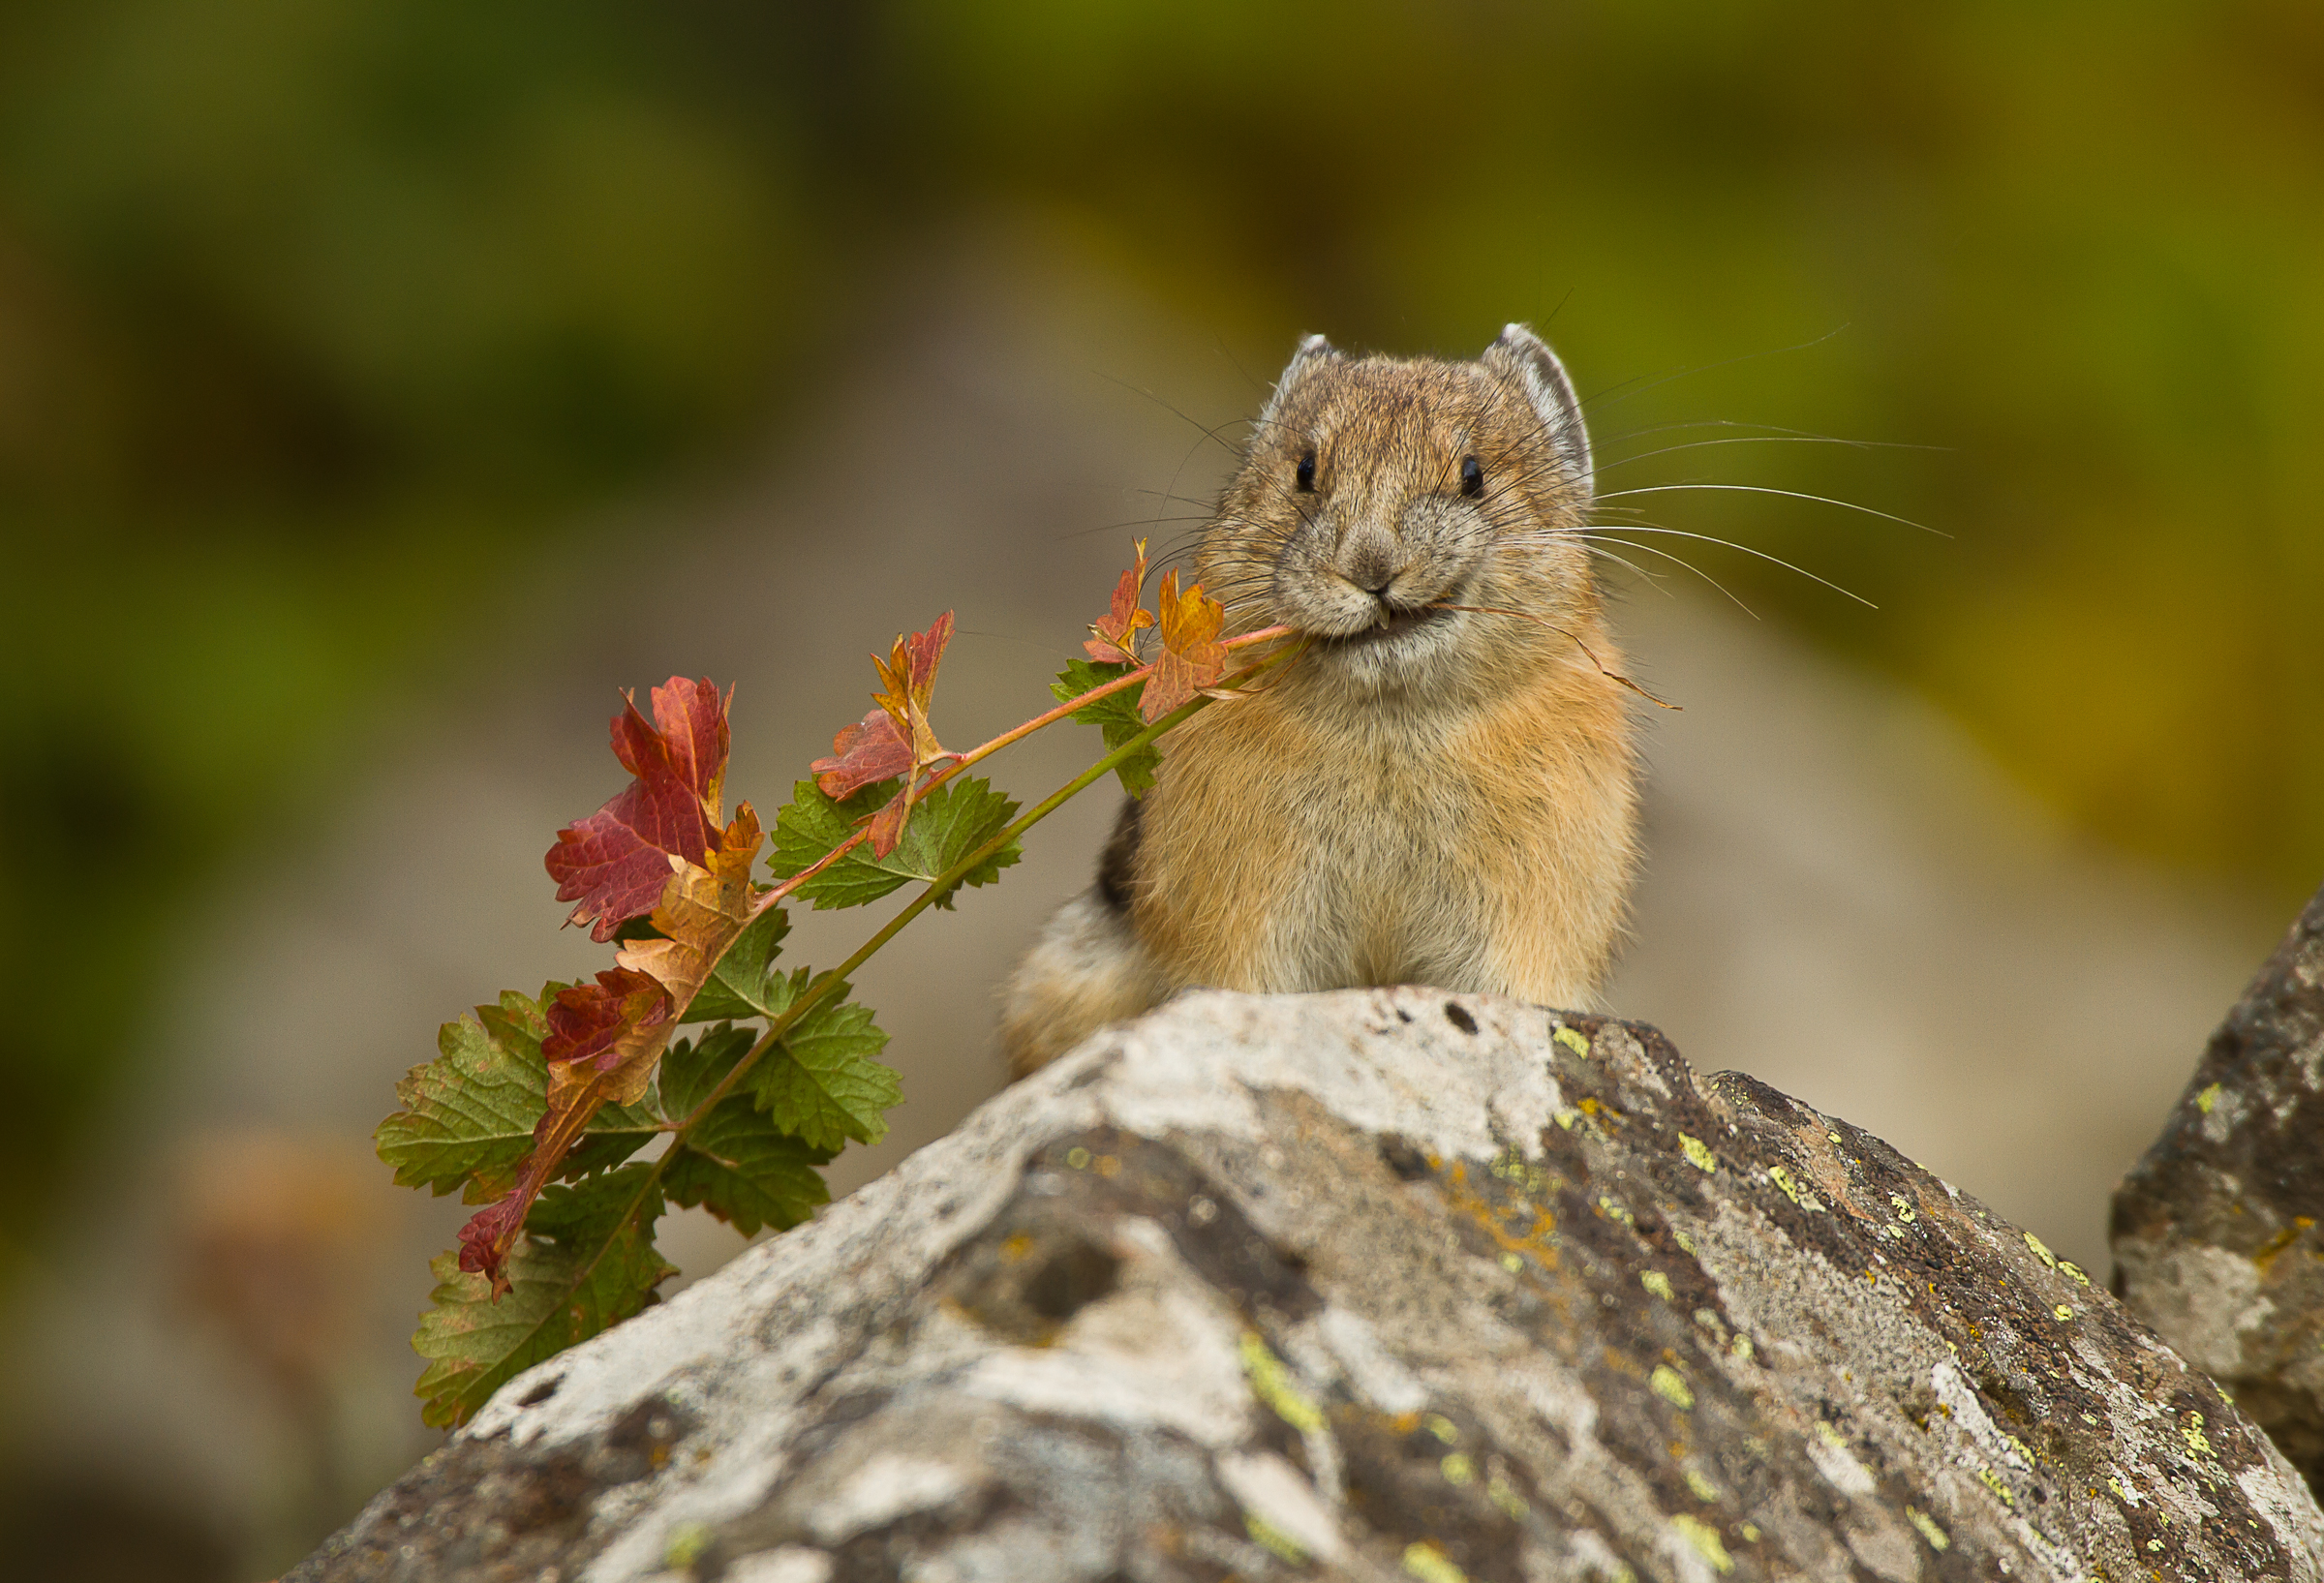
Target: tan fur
(1452, 801)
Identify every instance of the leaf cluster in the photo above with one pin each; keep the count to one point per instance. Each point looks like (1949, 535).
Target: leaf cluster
(541, 1109)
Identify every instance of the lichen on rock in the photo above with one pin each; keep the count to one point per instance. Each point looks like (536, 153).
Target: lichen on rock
(2215, 1231)
(1381, 1284)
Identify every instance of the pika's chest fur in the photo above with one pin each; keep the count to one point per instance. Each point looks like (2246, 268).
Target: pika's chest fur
(1287, 849)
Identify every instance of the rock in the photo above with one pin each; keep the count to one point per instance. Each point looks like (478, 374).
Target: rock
(1373, 1285)
(2215, 1231)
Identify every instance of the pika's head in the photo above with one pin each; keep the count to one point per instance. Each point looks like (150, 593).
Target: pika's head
(1376, 493)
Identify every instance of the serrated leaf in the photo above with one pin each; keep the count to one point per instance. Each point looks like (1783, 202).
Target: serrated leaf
(1192, 658)
(692, 1067)
(469, 1114)
(1116, 714)
(742, 1168)
(740, 977)
(820, 1081)
(737, 1162)
(946, 826)
(584, 1264)
(613, 864)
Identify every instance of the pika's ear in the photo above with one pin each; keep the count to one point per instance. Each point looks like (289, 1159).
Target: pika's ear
(1312, 353)
(1522, 357)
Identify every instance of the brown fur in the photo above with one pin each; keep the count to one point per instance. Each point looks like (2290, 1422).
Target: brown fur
(1444, 798)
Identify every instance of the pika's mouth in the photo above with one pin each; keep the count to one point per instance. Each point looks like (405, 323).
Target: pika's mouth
(1399, 623)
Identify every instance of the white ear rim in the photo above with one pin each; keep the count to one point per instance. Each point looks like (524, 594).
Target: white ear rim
(1551, 391)
(1312, 349)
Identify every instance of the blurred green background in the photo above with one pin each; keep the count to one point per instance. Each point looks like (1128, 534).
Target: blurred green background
(323, 323)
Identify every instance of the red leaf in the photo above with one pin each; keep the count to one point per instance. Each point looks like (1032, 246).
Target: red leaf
(586, 1023)
(863, 755)
(489, 1235)
(887, 825)
(615, 862)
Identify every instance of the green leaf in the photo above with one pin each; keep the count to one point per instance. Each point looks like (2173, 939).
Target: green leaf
(469, 1114)
(690, 1069)
(736, 986)
(946, 826)
(1116, 714)
(614, 1134)
(586, 1263)
(820, 1081)
(736, 1162)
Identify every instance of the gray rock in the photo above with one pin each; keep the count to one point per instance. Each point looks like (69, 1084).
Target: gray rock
(1372, 1285)
(2214, 1232)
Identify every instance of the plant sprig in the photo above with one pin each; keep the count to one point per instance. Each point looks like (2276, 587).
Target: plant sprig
(535, 1105)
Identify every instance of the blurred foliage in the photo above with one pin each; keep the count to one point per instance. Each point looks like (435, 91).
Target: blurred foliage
(315, 320)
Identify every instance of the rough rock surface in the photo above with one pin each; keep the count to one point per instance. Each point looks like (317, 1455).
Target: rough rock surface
(1375, 1285)
(2214, 1232)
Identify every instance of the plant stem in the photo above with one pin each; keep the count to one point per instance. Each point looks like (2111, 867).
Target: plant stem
(962, 761)
(823, 983)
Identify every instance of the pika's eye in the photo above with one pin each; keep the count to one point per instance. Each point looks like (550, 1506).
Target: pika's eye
(1472, 477)
(1306, 472)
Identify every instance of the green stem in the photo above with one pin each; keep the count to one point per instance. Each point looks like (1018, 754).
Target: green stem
(943, 883)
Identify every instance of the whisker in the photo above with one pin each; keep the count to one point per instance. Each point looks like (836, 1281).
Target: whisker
(1775, 560)
(1650, 549)
(1763, 489)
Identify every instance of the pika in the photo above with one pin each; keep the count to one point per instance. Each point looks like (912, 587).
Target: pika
(1442, 789)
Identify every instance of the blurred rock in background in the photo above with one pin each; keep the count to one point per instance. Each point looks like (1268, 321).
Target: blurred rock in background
(386, 385)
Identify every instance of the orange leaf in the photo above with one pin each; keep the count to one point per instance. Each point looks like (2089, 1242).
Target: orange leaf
(1116, 642)
(910, 674)
(862, 755)
(701, 912)
(1192, 658)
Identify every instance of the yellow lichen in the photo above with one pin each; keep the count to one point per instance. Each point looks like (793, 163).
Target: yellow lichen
(1938, 1540)
(1993, 1482)
(2196, 1441)
(685, 1546)
(1273, 1538)
(1904, 1206)
(1699, 1153)
(1511, 1502)
(2205, 1100)
(1429, 1563)
(1441, 1427)
(2062, 1312)
(1704, 1490)
(1577, 1043)
(2039, 1251)
(1271, 1384)
(1706, 1539)
(1656, 1282)
(1457, 1468)
(2076, 1271)
(1671, 1386)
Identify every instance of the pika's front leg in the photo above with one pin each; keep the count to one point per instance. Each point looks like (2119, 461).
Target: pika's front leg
(1086, 970)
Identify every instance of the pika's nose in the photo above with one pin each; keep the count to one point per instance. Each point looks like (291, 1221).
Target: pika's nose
(1369, 560)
